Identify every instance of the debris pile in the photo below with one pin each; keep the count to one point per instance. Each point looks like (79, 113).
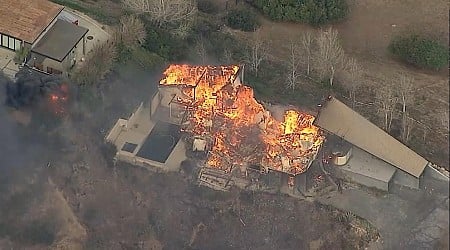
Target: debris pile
(222, 113)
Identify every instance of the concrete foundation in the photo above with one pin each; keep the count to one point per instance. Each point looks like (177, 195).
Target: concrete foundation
(404, 179)
(434, 173)
(301, 183)
(368, 170)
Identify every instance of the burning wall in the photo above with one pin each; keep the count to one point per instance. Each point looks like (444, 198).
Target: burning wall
(239, 130)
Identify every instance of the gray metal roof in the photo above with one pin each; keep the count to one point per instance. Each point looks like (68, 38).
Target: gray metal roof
(60, 40)
(337, 118)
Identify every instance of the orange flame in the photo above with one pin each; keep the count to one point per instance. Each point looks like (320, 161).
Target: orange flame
(242, 131)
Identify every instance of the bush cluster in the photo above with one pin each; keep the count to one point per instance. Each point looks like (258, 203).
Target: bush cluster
(315, 12)
(207, 6)
(420, 51)
(164, 44)
(242, 19)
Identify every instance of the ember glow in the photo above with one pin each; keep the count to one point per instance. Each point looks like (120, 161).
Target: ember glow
(241, 132)
(58, 98)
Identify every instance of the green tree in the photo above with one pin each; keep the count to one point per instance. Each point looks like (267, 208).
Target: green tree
(314, 12)
(242, 19)
(420, 51)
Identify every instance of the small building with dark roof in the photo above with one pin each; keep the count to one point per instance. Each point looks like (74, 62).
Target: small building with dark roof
(48, 37)
(58, 50)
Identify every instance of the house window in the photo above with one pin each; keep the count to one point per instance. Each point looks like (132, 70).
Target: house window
(4, 41)
(18, 44)
(11, 43)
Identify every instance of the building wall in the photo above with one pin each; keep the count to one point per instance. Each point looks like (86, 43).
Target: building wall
(434, 173)
(154, 103)
(404, 179)
(49, 65)
(366, 181)
(135, 116)
(115, 131)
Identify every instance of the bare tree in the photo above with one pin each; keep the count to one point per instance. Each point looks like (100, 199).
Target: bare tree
(407, 126)
(405, 94)
(182, 30)
(257, 52)
(200, 49)
(227, 56)
(353, 78)
(164, 11)
(444, 119)
(329, 55)
(98, 63)
(386, 100)
(307, 45)
(130, 32)
(293, 78)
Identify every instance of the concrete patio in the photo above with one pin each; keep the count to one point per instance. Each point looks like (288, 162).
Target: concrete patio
(136, 130)
(7, 64)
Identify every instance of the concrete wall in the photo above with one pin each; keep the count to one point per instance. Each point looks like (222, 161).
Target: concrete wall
(115, 131)
(50, 63)
(404, 179)
(366, 181)
(434, 173)
(301, 182)
(135, 116)
(154, 103)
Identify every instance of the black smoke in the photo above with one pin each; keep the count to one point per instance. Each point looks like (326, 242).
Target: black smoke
(30, 87)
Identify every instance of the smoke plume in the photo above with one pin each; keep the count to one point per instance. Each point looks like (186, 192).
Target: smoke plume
(29, 87)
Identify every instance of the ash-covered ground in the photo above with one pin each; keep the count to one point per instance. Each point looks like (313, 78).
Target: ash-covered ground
(59, 188)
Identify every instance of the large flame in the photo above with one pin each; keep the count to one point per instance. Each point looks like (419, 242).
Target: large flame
(242, 131)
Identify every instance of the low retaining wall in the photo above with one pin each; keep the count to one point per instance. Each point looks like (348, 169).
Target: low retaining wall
(431, 171)
(404, 179)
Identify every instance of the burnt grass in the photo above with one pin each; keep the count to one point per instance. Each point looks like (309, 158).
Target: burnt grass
(172, 206)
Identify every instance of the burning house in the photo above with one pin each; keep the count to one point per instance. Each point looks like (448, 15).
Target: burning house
(220, 117)
(237, 131)
(208, 110)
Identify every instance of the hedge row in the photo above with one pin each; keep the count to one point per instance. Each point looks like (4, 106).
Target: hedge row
(314, 12)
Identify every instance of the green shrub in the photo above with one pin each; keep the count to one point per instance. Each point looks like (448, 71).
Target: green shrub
(21, 55)
(207, 6)
(205, 26)
(420, 51)
(221, 42)
(161, 42)
(242, 19)
(314, 12)
(148, 60)
(97, 13)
